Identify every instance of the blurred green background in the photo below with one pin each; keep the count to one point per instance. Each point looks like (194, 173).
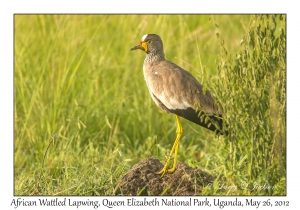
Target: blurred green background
(80, 92)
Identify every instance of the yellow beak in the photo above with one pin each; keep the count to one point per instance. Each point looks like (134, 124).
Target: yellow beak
(143, 46)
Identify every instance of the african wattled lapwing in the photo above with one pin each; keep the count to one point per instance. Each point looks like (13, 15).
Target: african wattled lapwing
(176, 91)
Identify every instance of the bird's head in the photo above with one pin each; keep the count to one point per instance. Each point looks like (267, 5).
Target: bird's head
(150, 43)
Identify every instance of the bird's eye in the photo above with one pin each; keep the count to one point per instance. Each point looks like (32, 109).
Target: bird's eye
(149, 42)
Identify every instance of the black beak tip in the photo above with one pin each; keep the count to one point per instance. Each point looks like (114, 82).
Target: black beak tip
(133, 48)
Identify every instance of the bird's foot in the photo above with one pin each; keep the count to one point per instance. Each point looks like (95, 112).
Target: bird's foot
(166, 170)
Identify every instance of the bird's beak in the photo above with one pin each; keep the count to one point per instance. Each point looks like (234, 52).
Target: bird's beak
(143, 46)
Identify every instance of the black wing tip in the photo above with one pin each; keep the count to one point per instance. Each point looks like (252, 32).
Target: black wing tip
(213, 122)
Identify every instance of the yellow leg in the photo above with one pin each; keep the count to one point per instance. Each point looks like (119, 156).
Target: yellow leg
(174, 150)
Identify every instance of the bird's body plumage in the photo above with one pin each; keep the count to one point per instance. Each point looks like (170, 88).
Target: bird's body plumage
(175, 90)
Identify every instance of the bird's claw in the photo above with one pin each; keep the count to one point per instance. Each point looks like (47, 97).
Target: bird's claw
(162, 171)
(166, 170)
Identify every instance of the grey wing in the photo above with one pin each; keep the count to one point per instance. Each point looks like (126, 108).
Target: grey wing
(176, 89)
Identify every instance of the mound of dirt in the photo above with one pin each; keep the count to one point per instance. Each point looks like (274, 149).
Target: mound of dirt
(142, 180)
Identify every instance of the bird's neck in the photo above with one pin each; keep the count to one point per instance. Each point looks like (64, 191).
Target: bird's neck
(154, 57)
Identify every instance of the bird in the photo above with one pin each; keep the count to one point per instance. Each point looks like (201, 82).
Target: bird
(175, 90)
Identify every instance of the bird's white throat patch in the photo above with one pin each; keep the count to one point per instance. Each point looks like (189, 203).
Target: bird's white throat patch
(144, 37)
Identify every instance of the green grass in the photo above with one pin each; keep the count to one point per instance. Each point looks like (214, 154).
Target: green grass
(80, 91)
